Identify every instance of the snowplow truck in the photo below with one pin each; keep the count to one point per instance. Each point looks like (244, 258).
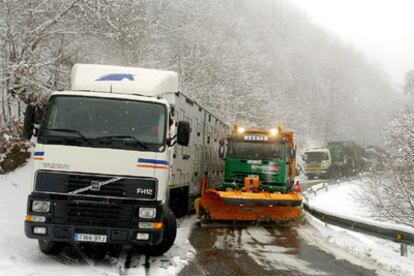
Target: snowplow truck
(116, 160)
(259, 179)
(338, 159)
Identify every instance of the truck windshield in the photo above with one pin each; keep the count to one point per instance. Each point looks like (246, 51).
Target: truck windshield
(252, 150)
(104, 122)
(316, 156)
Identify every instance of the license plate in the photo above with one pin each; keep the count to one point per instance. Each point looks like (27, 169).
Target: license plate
(89, 237)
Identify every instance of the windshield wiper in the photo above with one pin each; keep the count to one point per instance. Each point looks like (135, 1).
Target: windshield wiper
(123, 137)
(77, 132)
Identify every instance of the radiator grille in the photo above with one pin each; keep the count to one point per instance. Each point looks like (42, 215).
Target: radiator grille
(93, 213)
(76, 182)
(67, 183)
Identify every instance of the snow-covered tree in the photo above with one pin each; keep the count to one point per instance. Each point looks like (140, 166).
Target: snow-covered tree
(256, 63)
(390, 195)
(36, 52)
(409, 82)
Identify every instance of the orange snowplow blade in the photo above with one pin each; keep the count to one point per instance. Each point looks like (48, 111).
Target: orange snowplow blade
(248, 206)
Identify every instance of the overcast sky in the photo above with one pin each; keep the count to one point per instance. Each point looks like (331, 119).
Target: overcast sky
(383, 29)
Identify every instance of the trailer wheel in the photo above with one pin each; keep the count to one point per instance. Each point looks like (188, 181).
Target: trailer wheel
(51, 247)
(169, 234)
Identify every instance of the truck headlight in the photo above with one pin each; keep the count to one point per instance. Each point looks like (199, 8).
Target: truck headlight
(145, 212)
(40, 206)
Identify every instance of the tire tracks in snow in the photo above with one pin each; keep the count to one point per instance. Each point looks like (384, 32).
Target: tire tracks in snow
(263, 246)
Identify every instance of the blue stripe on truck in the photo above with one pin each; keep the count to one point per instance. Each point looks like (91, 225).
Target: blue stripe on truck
(152, 161)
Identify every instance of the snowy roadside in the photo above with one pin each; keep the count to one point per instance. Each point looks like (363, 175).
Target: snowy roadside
(344, 200)
(21, 256)
(341, 200)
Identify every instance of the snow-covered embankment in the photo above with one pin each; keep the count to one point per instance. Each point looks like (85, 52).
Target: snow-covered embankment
(344, 200)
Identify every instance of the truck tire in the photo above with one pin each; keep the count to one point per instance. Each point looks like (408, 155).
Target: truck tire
(50, 247)
(179, 202)
(169, 234)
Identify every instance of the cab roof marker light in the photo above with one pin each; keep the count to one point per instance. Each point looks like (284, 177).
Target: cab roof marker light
(274, 131)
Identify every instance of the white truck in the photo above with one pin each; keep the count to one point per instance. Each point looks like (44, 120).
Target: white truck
(117, 158)
(318, 163)
(339, 158)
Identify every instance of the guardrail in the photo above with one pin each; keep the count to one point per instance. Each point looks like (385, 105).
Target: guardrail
(385, 233)
(402, 237)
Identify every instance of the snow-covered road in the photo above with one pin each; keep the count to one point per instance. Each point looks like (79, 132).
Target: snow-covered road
(301, 249)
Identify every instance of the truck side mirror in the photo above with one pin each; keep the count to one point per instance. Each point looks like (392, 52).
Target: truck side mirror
(292, 153)
(222, 150)
(28, 123)
(183, 133)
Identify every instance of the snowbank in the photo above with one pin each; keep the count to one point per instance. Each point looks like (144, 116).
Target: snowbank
(363, 250)
(21, 256)
(342, 200)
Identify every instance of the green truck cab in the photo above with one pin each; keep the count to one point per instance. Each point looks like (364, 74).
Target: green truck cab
(268, 154)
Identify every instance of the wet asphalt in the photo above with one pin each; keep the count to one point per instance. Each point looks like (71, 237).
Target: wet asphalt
(213, 258)
(262, 250)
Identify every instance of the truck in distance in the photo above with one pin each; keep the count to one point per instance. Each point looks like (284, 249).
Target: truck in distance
(339, 158)
(318, 163)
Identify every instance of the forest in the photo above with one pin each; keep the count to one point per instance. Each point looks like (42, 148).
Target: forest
(255, 63)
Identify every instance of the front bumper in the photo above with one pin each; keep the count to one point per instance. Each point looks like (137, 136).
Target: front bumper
(117, 219)
(315, 171)
(66, 233)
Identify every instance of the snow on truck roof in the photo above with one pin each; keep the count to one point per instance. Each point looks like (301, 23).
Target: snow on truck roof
(125, 80)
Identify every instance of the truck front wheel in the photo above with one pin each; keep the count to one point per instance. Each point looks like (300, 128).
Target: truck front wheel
(169, 234)
(51, 247)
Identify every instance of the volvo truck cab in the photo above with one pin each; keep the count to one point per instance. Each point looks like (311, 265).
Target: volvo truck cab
(102, 160)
